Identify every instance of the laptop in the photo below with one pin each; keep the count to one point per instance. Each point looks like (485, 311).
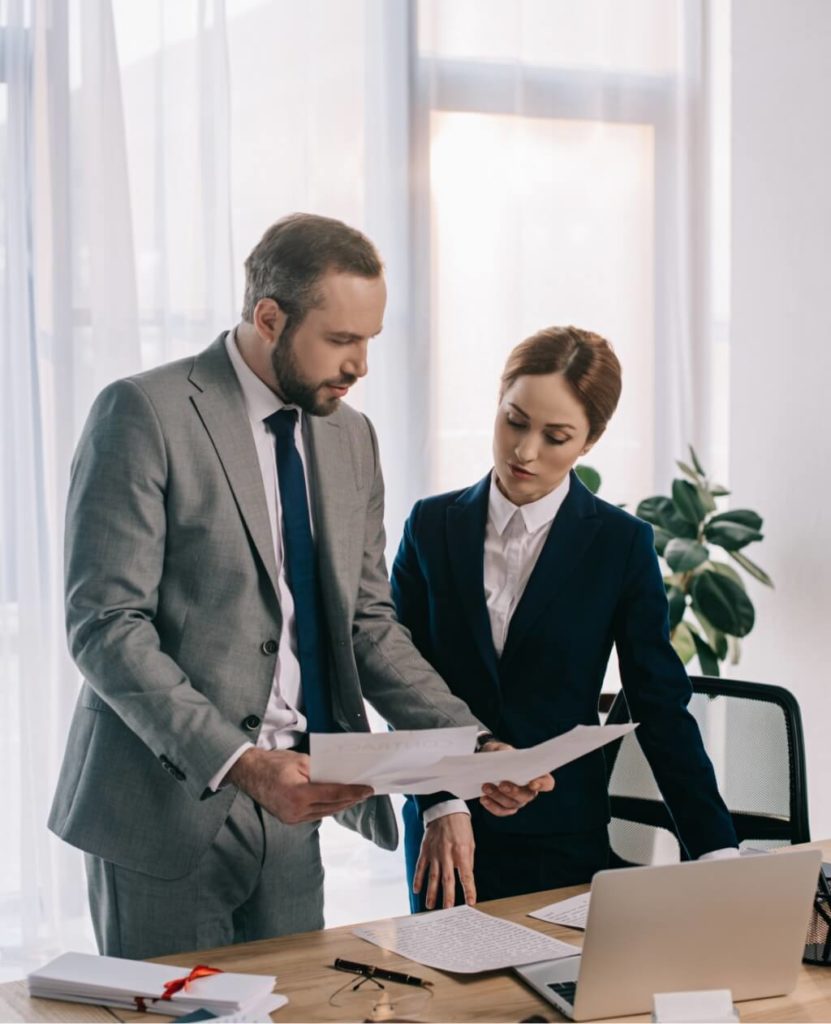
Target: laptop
(738, 923)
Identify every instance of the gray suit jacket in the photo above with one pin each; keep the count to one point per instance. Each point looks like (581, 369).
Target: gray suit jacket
(171, 599)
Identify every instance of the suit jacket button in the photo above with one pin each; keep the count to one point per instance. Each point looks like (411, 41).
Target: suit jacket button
(251, 722)
(269, 646)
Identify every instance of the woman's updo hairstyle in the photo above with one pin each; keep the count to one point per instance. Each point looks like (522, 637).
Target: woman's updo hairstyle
(587, 362)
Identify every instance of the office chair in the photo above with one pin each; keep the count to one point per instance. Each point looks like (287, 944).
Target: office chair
(753, 735)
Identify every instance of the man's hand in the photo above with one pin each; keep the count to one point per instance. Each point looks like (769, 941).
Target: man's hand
(279, 781)
(507, 798)
(447, 847)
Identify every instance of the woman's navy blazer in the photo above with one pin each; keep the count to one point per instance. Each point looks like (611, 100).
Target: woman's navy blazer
(596, 583)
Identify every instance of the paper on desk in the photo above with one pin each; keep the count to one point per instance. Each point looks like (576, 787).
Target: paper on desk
(257, 1014)
(464, 776)
(115, 981)
(464, 940)
(572, 912)
(361, 757)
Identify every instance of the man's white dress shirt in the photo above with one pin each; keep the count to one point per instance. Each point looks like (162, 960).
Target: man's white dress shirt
(284, 722)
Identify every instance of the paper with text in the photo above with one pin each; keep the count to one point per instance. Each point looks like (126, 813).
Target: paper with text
(464, 940)
(573, 912)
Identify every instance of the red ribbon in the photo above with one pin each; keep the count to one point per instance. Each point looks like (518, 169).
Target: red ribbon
(200, 971)
(177, 985)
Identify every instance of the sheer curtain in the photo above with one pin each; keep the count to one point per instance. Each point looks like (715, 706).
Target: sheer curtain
(143, 150)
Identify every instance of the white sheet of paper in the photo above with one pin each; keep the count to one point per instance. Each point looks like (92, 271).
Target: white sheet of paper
(572, 912)
(465, 776)
(361, 757)
(464, 940)
(258, 1014)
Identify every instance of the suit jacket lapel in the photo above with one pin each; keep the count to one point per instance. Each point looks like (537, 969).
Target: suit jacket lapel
(466, 519)
(334, 499)
(573, 530)
(221, 408)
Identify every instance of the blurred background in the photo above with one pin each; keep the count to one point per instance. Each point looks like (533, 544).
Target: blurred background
(653, 170)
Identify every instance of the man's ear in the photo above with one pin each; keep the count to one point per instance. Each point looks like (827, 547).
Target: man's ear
(269, 320)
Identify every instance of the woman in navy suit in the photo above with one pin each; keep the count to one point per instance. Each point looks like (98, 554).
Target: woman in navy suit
(516, 589)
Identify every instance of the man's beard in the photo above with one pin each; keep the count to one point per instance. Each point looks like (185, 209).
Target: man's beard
(295, 389)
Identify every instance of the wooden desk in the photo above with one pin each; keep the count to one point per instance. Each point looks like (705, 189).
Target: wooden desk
(301, 963)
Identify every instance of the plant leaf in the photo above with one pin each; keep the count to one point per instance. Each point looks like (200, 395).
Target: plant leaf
(743, 516)
(661, 538)
(715, 638)
(684, 555)
(695, 461)
(687, 502)
(687, 470)
(660, 511)
(706, 499)
(724, 603)
(751, 567)
(678, 526)
(677, 602)
(735, 648)
(589, 477)
(655, 510)
(683, 642)
(706, 656)
(731, 536)
(728, 571)
(718, 490)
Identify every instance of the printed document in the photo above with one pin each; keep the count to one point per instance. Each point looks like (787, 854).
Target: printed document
(464, 940)
(413, 761)
(572, 912)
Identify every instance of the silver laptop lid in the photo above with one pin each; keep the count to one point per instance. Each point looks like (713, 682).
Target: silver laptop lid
(738, 923)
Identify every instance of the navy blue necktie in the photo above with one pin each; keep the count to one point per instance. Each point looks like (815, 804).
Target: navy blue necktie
(301, 571)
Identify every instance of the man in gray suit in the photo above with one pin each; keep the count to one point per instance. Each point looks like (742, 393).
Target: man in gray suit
(222, 603)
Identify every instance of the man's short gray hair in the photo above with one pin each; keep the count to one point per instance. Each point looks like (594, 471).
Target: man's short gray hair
(291, 257)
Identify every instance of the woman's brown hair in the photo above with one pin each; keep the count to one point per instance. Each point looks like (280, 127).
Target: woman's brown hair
(586, 360)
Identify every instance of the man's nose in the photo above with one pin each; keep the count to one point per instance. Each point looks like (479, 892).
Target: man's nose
(356, 365)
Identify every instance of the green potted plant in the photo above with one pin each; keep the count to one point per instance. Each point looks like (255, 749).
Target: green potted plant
(709, 607)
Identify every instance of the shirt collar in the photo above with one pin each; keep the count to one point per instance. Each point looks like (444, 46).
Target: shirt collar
(535, 514)
(260, 400)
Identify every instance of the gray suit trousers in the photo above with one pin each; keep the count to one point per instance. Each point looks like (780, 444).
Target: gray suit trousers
(258, 879)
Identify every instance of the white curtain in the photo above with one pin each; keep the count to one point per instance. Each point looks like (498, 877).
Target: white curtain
(143, 150)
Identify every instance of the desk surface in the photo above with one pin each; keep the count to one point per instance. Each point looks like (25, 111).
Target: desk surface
(301, 963)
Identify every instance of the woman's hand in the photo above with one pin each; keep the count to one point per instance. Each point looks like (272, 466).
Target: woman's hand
(507, 798)
(447, 848)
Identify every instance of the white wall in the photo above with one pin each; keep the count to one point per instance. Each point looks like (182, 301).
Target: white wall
(780, 371)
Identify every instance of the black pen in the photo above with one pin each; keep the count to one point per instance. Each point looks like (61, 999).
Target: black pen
(368, 971)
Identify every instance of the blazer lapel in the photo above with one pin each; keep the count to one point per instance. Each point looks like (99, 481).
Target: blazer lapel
(334, 497)
(466, 519)
(220, 406)
(573, 530)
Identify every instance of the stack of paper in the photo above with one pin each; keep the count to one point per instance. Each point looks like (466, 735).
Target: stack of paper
(135, 984)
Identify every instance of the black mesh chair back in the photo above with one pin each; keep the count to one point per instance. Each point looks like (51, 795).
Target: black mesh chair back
(753, 735)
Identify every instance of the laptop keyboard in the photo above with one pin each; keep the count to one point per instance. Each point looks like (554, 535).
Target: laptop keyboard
(565, 990)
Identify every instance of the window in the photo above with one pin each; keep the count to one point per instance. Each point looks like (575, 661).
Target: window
(557, 138)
